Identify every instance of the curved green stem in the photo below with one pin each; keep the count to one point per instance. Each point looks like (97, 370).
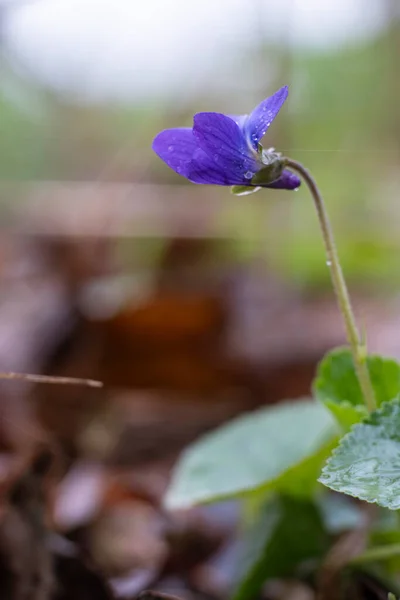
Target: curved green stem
(339, 284)
(377, 553)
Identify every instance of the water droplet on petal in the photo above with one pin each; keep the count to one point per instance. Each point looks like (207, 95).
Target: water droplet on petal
(249, 174)
(170, 148)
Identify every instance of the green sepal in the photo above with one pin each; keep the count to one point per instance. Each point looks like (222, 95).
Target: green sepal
(244, 190)
(272, 170)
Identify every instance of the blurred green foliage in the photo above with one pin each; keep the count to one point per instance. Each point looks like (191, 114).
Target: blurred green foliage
(341, 121)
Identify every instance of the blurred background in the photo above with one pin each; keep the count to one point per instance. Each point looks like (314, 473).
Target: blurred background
(190, 304)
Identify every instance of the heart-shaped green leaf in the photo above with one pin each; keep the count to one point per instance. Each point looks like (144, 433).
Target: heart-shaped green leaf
(366, 464)
(253, 452)
(336, 385)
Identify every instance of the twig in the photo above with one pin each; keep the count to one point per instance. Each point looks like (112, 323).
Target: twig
(51, 379)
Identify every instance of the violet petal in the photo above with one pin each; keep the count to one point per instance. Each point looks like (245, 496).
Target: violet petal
(287, 181)
(203, 169)
(262, 116)
(239, 119)
(222, 139)
(176, 148)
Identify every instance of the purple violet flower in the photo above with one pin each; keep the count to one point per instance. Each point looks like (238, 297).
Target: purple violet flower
(226, 150)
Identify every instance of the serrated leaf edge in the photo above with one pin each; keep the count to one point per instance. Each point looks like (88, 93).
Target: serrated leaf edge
(381, 410)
